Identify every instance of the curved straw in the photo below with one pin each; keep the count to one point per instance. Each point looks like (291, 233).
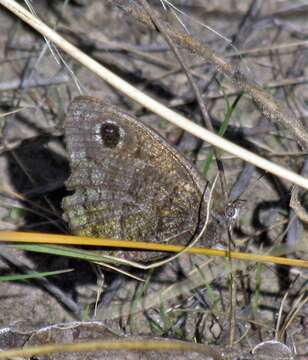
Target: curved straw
(149, 102)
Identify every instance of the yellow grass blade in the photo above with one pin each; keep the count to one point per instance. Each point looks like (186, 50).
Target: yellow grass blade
(111, 345)
(40, 238)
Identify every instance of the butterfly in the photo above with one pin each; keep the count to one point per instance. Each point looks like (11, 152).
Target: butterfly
(128, 182)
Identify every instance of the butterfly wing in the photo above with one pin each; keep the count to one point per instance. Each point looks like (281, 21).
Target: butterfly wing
(128, 182)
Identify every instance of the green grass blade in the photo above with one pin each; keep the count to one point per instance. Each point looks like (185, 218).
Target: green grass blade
(33, 275)
(222, 129)
(64, 251)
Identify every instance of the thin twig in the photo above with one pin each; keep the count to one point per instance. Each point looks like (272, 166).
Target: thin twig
(15, 84)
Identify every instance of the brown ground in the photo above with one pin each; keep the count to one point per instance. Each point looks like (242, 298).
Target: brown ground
(180, 301)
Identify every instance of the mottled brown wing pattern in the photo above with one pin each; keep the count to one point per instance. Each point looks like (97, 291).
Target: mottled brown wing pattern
(128, 182)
